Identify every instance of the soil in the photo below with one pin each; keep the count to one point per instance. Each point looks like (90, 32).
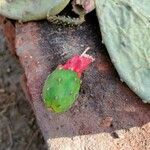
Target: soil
(18, 127)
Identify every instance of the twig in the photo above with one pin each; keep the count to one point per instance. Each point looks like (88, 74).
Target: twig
(31, 140)
(10, 136)
(3, 111)
(7, 122)
(8, 105)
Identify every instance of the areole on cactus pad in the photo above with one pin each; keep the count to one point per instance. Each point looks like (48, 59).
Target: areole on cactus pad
(62, 86)
(125, 28)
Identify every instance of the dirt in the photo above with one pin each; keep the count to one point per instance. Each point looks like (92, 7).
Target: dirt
(18, 127)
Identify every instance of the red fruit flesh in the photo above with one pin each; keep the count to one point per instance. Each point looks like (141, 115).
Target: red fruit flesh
(78, 63)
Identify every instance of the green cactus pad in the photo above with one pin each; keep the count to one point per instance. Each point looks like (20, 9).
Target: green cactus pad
(61, 89)
(125, 28)
(26, 10)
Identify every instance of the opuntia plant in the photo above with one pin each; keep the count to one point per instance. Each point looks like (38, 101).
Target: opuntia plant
(62, 86)
(125, 28)
(28, 10)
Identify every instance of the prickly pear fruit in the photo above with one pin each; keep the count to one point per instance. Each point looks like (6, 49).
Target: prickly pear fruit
(61, 89)
(62, 86)
(26, 10)
(125, 28)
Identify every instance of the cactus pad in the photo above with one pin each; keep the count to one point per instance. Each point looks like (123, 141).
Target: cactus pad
(26, 10)
(61, 89)
(125, 28)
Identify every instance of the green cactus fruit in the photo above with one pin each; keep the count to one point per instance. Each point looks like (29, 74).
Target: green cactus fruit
(62, 86)
(26, 10)
(61, 89)
(125, 28)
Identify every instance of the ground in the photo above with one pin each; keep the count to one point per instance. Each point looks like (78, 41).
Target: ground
(107, 114)
(18, 127)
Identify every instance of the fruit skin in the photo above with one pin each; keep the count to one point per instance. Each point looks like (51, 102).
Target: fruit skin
(125, 28)
(61, 89)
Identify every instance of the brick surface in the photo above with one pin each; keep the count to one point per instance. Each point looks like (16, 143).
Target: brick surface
(107, 114)
(9, 32)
